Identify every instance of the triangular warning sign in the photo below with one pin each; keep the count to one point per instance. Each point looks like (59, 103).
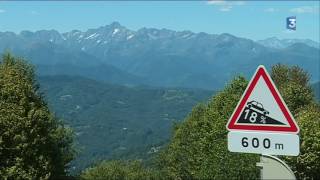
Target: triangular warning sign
(262, 108)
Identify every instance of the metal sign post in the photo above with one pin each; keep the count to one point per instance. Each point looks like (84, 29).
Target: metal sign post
(273, 168)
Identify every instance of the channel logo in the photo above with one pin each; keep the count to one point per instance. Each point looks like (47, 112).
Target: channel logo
(291, 23)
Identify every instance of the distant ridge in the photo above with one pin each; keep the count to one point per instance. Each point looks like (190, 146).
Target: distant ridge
(156, 57)
(274, 42)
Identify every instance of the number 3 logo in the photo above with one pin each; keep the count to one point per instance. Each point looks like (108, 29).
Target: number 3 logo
(292, 23)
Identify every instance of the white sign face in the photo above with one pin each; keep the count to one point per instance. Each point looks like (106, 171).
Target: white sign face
(263, 143)
(261, 108)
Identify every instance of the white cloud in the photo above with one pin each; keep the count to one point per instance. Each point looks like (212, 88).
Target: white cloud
(271, 10)
(216, 2)
(225, 5)
(2, 11)
(305, 9)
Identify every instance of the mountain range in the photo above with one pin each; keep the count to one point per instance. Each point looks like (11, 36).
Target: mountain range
(156, 57)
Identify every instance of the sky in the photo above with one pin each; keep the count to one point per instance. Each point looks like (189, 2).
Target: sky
(249, 19)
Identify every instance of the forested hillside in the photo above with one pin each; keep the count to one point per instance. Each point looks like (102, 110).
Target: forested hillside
(198, 147)
(113, 121)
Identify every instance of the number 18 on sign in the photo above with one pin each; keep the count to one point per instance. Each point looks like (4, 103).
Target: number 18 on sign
(262, 122)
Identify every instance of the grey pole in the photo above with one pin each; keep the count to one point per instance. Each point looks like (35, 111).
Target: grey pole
(274, 168)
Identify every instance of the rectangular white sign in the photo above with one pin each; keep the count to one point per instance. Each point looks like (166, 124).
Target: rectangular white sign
(264, 143)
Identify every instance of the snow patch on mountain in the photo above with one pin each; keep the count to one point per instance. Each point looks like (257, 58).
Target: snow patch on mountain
(129, 37)
(94, 35)
(115, 31)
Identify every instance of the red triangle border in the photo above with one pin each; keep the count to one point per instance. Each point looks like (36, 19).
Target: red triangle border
(261, 72)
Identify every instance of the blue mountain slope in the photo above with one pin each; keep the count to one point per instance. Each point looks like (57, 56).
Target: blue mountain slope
(160, 57)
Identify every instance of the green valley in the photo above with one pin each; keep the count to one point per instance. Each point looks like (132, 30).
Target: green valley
(118, 122)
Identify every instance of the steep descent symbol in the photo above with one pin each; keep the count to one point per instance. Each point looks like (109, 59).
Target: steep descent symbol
(255, 113)
(261, 108)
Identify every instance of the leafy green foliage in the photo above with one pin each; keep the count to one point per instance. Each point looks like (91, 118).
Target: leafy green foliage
(120, 170)
(307, 164)
(198, 149)
(294, 86)
(33, 144)
(316, 89)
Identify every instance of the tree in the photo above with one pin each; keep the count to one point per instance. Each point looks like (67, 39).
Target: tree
(33, 143)
(294, 86)
(307, 164)
(198, 148)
